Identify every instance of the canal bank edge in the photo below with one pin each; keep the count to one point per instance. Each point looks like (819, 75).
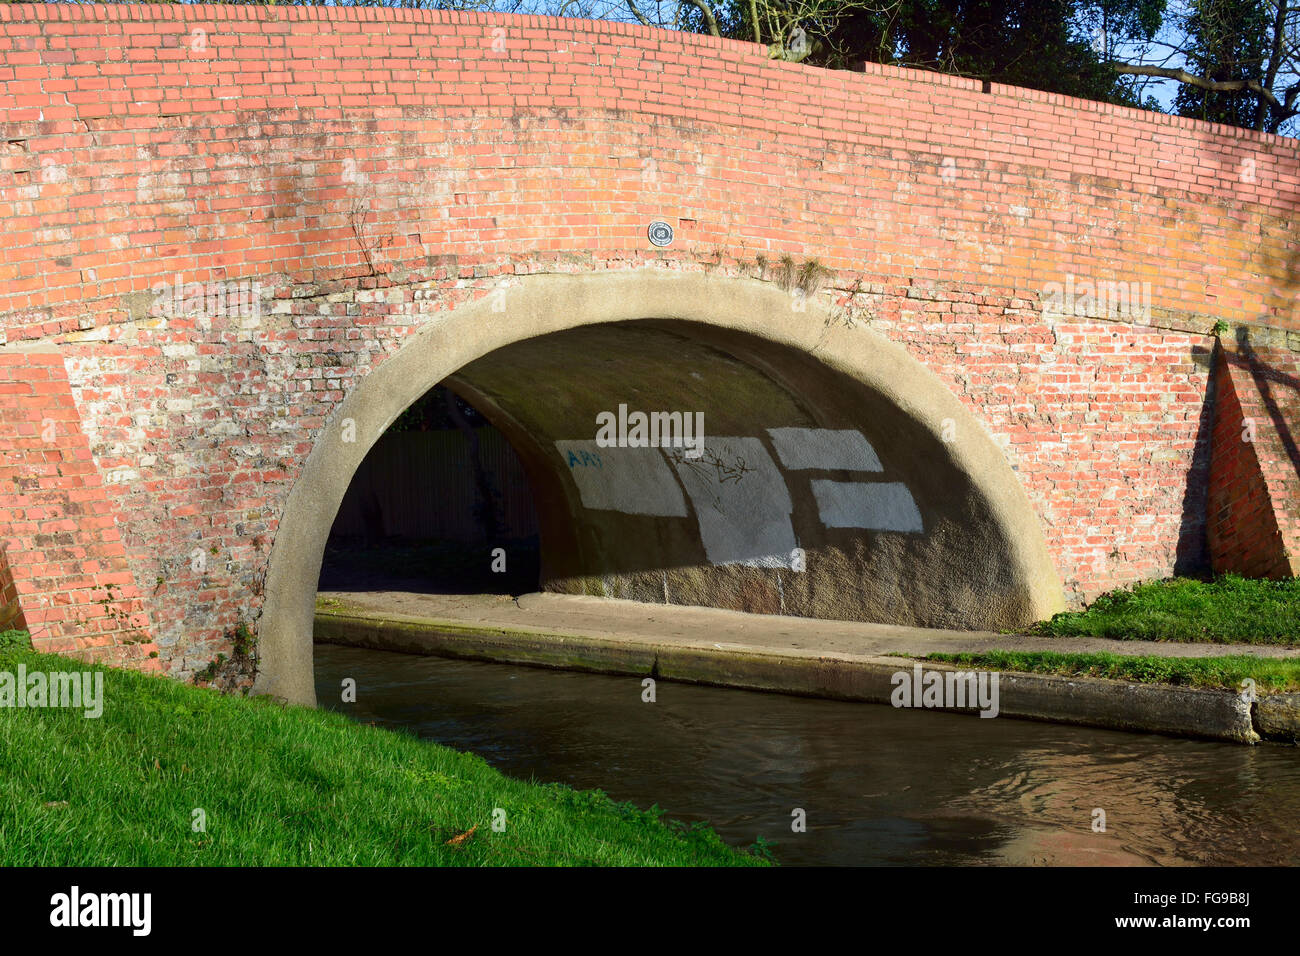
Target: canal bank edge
(1087, 701)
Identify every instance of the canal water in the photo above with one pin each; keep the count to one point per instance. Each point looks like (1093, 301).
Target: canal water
(876, 785)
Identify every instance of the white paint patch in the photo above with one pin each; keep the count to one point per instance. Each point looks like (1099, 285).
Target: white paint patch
(121, 476)
(876, 506)
(741, 501)
(52, 172)
(802, 448)
(635, 481)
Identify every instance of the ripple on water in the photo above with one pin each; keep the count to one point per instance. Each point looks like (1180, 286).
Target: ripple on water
(879, 786)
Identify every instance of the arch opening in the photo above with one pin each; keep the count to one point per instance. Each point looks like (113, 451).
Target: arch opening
(440, 489)
(835, 478)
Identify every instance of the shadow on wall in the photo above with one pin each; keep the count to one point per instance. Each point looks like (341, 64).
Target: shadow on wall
(810, 495)
(11, 612)
(1278, 388)
(1192, 557)
(1254, 508)
(436, 497)
(1252, 505)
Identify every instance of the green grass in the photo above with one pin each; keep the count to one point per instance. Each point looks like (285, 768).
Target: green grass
(1230, 610)
(287, 786)
(1271, 674)
(18, 639)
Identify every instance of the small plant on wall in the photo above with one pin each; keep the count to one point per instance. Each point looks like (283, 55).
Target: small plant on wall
(233, 674)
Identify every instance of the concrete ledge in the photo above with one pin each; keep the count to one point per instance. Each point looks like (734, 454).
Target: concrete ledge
(1117, 705)
(1277, 717)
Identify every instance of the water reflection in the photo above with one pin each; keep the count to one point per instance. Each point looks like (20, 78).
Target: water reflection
(879, 785)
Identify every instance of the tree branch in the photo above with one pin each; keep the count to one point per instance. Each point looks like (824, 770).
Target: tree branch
(1274, 59)
(709, 19)
(636, 12)
(1221, 86)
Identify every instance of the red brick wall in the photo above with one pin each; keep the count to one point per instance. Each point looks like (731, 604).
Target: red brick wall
(1254, 514)
(11, 610)
(215, 141)
(57, 530)
(368, 167)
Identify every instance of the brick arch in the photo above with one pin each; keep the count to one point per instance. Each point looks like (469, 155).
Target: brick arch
(539, 305)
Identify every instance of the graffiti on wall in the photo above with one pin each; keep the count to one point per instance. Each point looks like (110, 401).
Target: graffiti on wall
(740, 495)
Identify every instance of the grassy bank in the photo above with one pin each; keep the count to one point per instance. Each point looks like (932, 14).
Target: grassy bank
(1270, 674)
(1230, 610)
(286, 786)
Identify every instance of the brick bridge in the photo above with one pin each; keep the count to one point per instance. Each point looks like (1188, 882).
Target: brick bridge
(965, 354)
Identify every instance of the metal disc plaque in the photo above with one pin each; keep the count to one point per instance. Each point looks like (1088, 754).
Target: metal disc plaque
(661, 234)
